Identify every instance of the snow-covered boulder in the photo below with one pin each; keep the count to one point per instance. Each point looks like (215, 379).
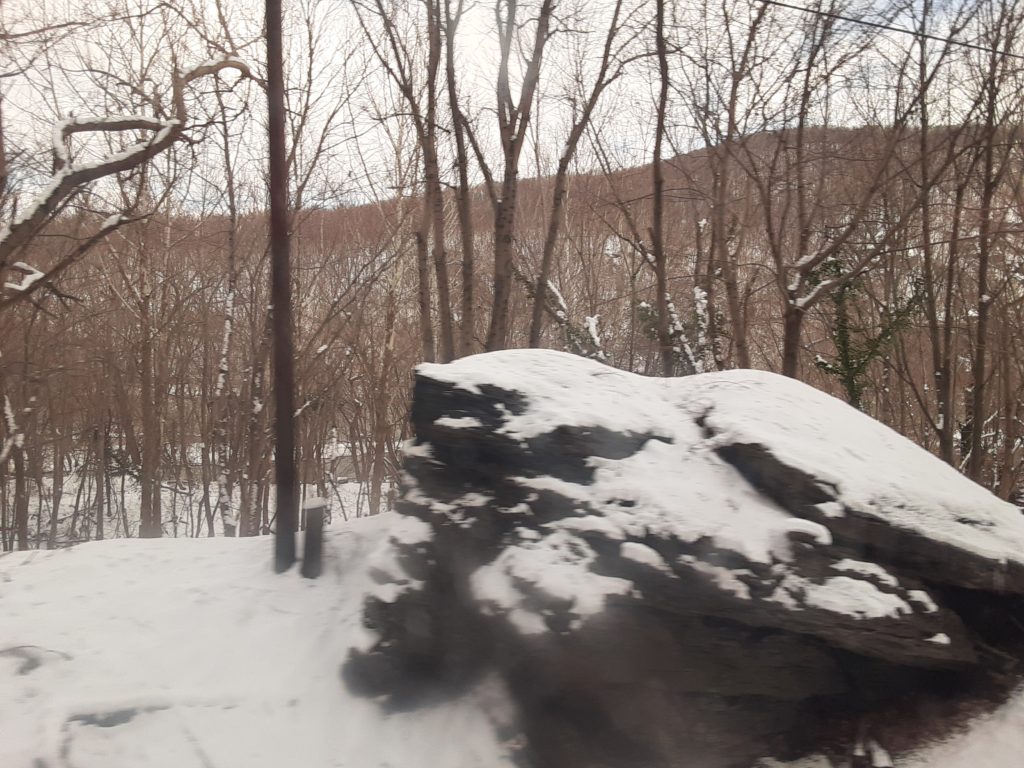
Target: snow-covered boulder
(693, 571)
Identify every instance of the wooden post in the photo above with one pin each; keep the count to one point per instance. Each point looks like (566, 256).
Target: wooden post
(313, 548)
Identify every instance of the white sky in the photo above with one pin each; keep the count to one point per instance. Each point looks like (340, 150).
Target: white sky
(350, 93)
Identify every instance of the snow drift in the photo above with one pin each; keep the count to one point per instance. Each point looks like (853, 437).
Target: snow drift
(191, 653)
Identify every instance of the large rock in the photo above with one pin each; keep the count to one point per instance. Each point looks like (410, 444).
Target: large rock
(686, 572)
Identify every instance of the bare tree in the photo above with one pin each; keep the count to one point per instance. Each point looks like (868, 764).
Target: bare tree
(71, 177)
(513, 124)
(611, 65)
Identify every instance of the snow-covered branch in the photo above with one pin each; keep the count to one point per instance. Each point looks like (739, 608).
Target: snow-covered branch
(32, 276)
(69, 177)
(35, 278)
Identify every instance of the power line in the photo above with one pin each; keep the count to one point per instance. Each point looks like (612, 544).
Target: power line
(890, 28)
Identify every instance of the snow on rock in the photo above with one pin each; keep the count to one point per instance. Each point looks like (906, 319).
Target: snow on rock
(674, 482)
(857, 462)
(556, 566)
(841, 594)
(724, 534)
(641, 553)
(866, 569)
(463, 422)
(880, 478)
(189, 653)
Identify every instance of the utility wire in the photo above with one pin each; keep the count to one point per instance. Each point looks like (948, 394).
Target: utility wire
(890, 28)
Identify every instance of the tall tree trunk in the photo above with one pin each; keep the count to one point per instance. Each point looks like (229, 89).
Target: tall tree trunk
(792, 325)
(121, 406)
(424, 292)
(1010, 411)
(101, 476)
(58, 489)
(548, 250)
(6, 542)
(979, 361)
(942, 387)
(606, 74)
(222, 414)
(284, 363)
(249, 509)
(20, 498)
(661, 302)
(380, 417)
(432, 177)
(150, 523)
(504, 231)
(463, 201)
(948, 370)
(513, 123)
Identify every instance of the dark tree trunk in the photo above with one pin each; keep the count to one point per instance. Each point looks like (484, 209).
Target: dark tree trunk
(20, 498)
(284, 364)
(150, 523)
(661, 301)
(792, 324)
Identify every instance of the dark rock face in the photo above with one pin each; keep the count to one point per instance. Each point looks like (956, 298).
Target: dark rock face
(657, 587)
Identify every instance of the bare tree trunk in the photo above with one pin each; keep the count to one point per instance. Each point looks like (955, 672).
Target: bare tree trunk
(661, 301)
(462, 194)
(504, 229)
(380, 416)
(1010, 409)
(222, 390)
(101, 476)
(150, 525)
(928, 256)
(82, 481)
(121, 402)
(6, 542)
(432, 178)
(1005, 27)
(792, 325)
(547, 255)
(606, 74)
(249, 509)
(979, 361)
(513, 122)
(947, 368)
(20, 498)
(284, 363)
(58, 489)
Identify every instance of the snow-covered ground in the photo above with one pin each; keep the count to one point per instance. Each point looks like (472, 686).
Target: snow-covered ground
(182, 507)
(192, 654)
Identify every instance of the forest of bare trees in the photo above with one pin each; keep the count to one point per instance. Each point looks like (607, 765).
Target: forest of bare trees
(829, 189)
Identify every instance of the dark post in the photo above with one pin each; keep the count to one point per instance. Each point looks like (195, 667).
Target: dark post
(313, 547)
(280, 292)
